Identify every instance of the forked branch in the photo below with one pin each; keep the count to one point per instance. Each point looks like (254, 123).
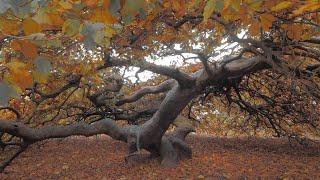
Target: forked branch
(184, 79)
(104, 126)
(165, 86)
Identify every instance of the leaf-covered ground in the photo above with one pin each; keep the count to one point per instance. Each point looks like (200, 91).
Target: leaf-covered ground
(213, 158)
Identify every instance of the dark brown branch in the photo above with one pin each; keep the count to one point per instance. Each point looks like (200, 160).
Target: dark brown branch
(104, 126)
(134, 117)
(205, 63)
(313, 40)
(177, 98)
(60, 106)
(98, 98)
(185, 19)
(184, 79)
(165, 86)
(244, 66)
(73, 82)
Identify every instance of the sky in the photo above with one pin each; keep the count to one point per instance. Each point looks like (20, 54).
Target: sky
(177, 61)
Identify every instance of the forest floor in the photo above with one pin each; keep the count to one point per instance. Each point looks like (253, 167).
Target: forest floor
(213, 158)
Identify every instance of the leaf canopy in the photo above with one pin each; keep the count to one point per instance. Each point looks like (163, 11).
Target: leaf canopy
(45, 44)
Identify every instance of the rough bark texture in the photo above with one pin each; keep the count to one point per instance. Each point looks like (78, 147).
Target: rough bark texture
(174, 148)
(150, 135)
(178, 97)
(106, 126)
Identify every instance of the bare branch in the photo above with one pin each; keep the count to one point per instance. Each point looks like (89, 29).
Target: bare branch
(105, 126)
(242, 66)
(165, 86)
(73, 82)
(134, 117)
(313, 40)
(184, 79)
(205, 63)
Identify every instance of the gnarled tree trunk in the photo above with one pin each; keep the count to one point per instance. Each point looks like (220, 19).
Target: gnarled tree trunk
(151, 135)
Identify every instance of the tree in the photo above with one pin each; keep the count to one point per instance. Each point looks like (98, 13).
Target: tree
(63, 66)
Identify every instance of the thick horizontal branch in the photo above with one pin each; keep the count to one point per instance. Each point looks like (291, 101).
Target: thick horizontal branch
(134, 117)
(243, 66)
(313, 40)
(165, 86)
(313, 67)
(184, 79)
(231, 68)
(104, 126)
(183, 20)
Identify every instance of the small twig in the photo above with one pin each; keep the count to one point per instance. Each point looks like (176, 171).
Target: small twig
(7, 162)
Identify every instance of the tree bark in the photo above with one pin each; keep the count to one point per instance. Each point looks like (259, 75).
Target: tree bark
(178, 97)
(150, 135)
(105, 126)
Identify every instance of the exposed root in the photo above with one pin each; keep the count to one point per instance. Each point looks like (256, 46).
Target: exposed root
(133, 144)
(174, 148)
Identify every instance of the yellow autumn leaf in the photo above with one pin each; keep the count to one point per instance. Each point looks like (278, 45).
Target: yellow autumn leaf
(193, 4)
(28, 49)
(105, 3)
(66, 4)
(55, 19)
(254, 5)
(40, 77)
(208, 10)
(63, 122)
(281, 6)
(9, 26)
(294, 31)
(109, 31)
(14, 65)
(104, 16)
(266, 21)
(90, 3)
(307, 7)
(254, 29)
(177, 5)
(227, 3)
(236, 5)
(18, 75)
(82, 69)
(15, 45)
(30, 26)
(71, 27)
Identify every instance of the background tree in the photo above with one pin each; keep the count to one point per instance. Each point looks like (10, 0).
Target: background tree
(64, 62)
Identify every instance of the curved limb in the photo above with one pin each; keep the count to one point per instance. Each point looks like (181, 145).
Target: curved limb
(165, 86)
(31, 135)
(183, 79)
(104, 126)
